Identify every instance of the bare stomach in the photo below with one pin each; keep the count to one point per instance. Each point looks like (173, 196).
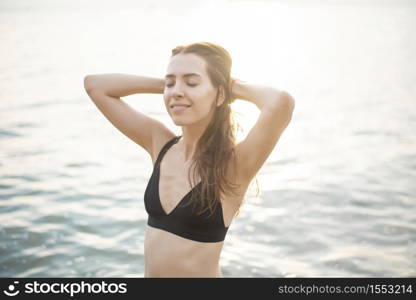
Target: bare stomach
(169, 255)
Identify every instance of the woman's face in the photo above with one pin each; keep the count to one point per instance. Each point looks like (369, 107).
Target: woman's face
(187, 83)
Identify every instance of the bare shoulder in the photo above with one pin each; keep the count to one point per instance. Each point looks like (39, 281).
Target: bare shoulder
(159, 139)
(236, 175)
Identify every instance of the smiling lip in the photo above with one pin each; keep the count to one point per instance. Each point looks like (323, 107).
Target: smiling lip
(179, 107)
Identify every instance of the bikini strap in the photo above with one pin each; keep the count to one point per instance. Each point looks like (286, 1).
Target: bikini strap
(165, 148)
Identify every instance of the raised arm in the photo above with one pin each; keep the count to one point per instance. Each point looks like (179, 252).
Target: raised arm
(105, 91)
(276, 108)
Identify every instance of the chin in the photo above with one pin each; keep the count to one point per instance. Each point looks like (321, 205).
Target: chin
(179, 122)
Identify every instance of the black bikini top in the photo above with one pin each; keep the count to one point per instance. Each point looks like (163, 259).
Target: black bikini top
(182, 221)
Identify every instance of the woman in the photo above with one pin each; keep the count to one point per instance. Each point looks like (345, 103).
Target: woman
(183, 240)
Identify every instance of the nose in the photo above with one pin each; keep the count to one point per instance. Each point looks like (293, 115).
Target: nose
(177, 90)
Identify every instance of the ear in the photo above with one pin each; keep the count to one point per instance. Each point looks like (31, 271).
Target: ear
(221, 96)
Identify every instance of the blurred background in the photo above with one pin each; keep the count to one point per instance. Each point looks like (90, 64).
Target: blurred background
(336, 195)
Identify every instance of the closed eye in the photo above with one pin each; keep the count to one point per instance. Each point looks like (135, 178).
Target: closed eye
(190, 84)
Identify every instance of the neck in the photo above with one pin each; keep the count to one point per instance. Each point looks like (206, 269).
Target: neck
(190, 137)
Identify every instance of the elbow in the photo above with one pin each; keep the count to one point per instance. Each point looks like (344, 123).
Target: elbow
(285, 102)
(287, 97)
(88, 83)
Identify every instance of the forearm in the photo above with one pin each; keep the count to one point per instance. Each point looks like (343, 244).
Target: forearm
(121, 85)
(260, 95)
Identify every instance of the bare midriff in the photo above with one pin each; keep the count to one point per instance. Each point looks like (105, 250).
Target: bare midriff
(169, 255)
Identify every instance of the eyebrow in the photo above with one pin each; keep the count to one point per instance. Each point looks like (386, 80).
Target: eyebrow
(185, 75)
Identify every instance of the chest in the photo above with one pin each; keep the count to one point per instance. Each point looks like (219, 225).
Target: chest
(173, 183)
(174, 187)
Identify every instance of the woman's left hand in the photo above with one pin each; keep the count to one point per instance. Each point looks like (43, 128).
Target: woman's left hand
(233, 89)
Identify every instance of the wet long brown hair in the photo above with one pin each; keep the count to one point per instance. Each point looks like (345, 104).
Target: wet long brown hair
(215, 149)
